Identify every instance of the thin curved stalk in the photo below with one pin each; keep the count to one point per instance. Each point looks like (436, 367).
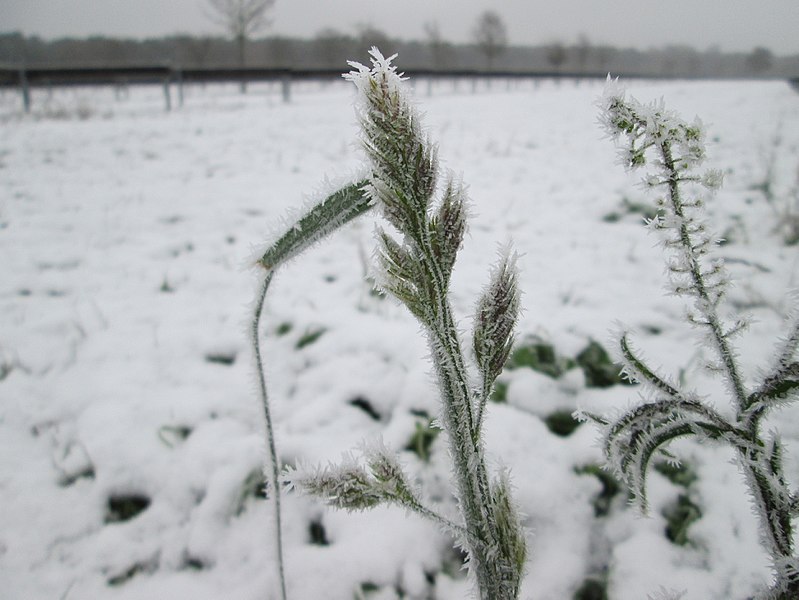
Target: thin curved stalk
(270, 434)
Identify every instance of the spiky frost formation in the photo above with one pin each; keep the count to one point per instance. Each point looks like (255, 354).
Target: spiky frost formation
(403, 183)
(322, 219)
(355, 485)
(673, 149)
(416, 269)
(351, 486)
(653, 136)
(494, 322)
(404, 163)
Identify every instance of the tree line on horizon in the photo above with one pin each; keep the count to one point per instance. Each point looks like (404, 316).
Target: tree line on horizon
(331, 49)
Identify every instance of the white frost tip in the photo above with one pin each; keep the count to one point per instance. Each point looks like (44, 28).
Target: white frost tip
(381, 79)
(613, 89)
(380, 65)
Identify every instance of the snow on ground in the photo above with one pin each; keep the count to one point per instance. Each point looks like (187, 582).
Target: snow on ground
(130, 434)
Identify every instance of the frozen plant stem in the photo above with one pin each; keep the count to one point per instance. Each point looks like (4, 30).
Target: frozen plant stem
(274, 473)
(631, 440)
(416, 267)
(320, 220)
(692, 250)
(417, 272)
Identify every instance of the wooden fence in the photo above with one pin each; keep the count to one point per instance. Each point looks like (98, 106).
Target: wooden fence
(170, 78)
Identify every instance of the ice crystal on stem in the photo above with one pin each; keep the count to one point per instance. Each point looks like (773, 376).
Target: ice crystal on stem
(650, 135)
(354, 487)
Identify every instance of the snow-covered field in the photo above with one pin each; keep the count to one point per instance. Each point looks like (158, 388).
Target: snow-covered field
(131, 438)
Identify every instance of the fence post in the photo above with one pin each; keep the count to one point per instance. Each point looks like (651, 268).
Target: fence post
(167, 96)
(285, 85)
(25, 89)
(179, 77)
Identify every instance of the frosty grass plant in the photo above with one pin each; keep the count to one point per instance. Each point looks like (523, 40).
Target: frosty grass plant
(416, 264)
(674, 150)
(334, 211)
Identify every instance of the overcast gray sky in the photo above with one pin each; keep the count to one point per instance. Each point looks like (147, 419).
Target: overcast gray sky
(731, 25)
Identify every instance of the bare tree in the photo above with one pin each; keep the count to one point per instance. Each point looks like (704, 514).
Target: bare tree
(556, 55)
(604, 55)
(241, 18)
(369, 36)
(760, 60)
(582, 51)
(439, 48)
(194, 51)
(332, 48)
(490, 35)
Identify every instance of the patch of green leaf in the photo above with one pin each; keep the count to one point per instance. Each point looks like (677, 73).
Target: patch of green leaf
(166, 287)
(681, 474)
(123, 507)
(629, 207)
(253, 486)
(561, 423)
(791, 235)
(422, 439)
(221, 358)
(283, 328)
(540, 356)
(5, 369)
(365, 590)
(192, 563)
(593, 588)
(646, 210)
(600, 371)
(500, 392)
(309, 337)
(366, 406)
(680, 515)
(317, 534)
(129, 573)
